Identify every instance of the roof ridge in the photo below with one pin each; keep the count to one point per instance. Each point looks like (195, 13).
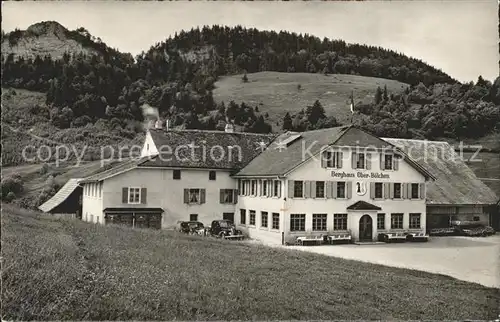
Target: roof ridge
(211, 131)
(416, 140)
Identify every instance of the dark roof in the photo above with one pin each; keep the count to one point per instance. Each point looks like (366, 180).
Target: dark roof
(275, 162)
(120, 167)
(455, 182)
(60, 196)
(212, 149)
(135, 210)
(363, 205)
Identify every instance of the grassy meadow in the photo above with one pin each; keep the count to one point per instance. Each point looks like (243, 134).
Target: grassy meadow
(71, 270)
(277, 93)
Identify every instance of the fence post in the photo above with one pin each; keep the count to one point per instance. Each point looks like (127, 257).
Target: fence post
(282, 238)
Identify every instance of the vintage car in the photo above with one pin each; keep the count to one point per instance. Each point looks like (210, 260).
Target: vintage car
(192, 227)
(417, 236)
(473, 229)
(225, 229)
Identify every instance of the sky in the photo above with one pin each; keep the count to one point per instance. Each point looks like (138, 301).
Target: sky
(459, 37)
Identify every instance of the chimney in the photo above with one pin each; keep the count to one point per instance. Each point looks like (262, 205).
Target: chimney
(229, 128)
(158, 124)
(167, 125)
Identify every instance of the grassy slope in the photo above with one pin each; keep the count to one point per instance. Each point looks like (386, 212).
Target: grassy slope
(276, 93)
(60, 269)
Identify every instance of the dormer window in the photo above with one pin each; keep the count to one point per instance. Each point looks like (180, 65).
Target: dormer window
(331, 159)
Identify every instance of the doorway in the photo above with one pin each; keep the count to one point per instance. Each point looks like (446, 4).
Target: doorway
(228, 216)
(365, 228)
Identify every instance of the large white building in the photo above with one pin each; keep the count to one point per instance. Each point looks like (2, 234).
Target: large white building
(331, 181)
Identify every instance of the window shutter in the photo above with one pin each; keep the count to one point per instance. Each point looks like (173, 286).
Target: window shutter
(372, 190)
(323, 159)
(290, 188)
(235, 196)
(349, 189)
(328, 189)
(186, 195)
(386, 190)
(408, 190)
(124, 195)
(341, 158)
(391, 190)
(353, 160)
(422, 190)
(144, 195)
(382, 163)
(279, 189)
(307, 189)
(404, 190)
(202, 195)
(221, 196)
(313, 189)
(368, 161)
(396, 163)
(334, 189)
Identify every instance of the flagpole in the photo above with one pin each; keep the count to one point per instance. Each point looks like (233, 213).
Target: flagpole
(352, 106)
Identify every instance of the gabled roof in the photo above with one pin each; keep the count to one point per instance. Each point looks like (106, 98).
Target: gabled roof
(211, 150)
(363, 205)
(118, 168)
(455, 182)
(60, 196)
(276, 161)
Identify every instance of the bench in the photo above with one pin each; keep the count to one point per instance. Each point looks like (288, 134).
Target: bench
(389, 237)
(310, 239)
(339, 237)
(417, 236)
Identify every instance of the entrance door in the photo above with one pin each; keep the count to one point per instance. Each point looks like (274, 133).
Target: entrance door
(228, 216)
(365, 228)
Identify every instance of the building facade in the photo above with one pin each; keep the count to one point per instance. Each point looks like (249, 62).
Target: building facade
(333, 181)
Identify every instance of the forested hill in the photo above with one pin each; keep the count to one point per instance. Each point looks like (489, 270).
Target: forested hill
(235, 50)
(88, 85)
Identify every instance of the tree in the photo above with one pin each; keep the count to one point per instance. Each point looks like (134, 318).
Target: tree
(315, 112)
(287, 122)
(378, 95)
(386, 97)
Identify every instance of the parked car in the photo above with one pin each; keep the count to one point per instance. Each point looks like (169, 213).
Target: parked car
(474, 230)
(192, 228)
(225, 229)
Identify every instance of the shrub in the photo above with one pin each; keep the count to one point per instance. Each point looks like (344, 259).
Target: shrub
(44, 169)
(12, 184)
(10, 197)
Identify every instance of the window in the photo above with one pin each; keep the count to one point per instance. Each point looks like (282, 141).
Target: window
(263, 219)
(253, 188)
(193, 217)
(134, 195)
(340, 222)
(252, 217)
(276, 220)
(264, 188)
(320, 189)
(100, 189)
(414, 221)
(331, 159)
(212, 175)
(341, 189)
(319, 222)
(277, 189)
(397, 221)
(387, 161)
(243, 216)
(378, 190)
(360, 160)
(298, 189)
(243, 188)
(226, 196)
(194, 196)
(397, 191)
(297, 222)
(176, 174)
(414, 191)
(380, 221)
(476, 218)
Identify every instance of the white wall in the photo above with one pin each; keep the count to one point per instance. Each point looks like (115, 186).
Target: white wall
(166, 193)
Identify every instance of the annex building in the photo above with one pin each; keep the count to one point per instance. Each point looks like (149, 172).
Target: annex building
(275, 188)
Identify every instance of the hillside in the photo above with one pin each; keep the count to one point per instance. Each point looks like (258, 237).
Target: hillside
(49, 38)
(278, 93)
(72, 270)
